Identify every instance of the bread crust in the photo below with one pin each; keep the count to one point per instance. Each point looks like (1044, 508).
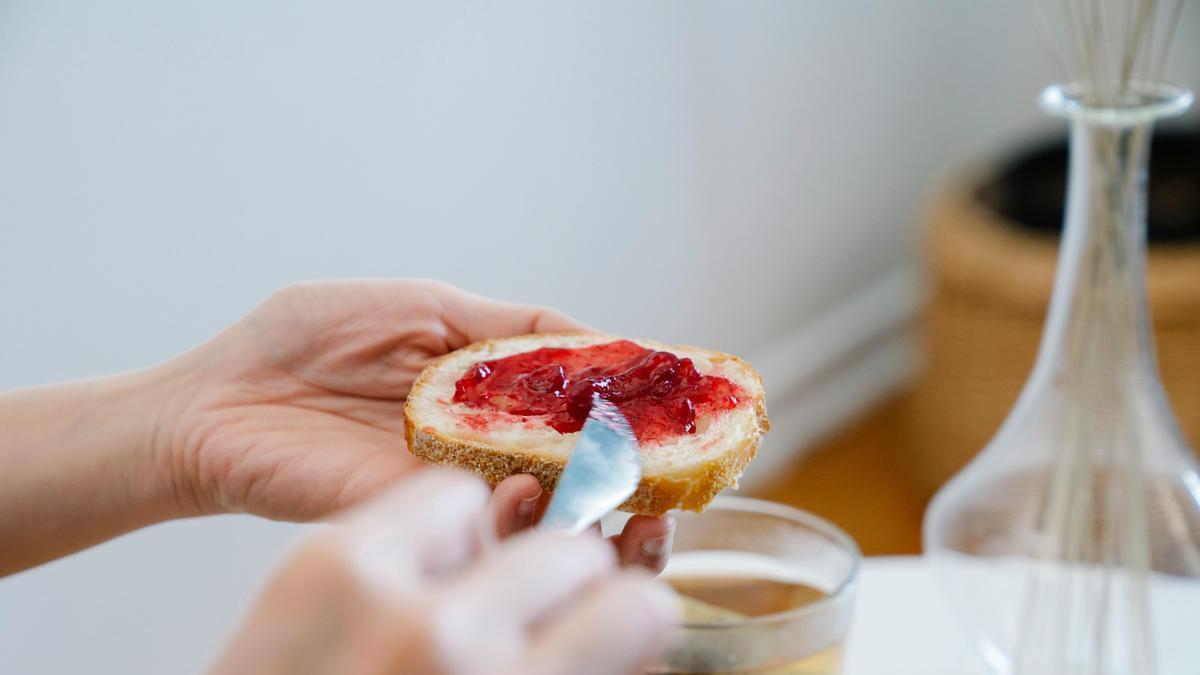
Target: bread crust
(655, 494)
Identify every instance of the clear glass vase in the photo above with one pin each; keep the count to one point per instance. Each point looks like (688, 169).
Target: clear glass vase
(1071, 544)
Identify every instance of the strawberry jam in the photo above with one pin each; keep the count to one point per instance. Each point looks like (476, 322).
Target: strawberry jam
(661, 394)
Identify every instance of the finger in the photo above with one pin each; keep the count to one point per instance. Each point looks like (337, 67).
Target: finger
(474, 317)
(617, 626)
(645, 542)
(533, 573)
(431, 524)
(483, 618)
(514, 504)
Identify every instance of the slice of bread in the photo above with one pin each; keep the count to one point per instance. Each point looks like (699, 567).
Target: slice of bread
(681, 472)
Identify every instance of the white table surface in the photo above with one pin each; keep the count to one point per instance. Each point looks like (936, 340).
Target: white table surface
(901, 625)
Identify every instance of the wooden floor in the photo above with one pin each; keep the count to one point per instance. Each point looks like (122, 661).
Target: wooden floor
(856, 479)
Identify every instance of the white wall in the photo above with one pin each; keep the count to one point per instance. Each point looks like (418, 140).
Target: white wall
(739, 175)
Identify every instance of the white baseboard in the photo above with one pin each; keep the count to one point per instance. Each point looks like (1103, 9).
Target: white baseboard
(833, 367)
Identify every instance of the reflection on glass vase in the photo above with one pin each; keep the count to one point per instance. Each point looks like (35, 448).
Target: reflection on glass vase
(1071, 544)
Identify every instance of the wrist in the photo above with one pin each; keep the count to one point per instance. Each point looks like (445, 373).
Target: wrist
(163, 394)
(134, 420)
(81, 465)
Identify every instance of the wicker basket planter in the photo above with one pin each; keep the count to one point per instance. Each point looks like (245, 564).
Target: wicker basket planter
(989, 284)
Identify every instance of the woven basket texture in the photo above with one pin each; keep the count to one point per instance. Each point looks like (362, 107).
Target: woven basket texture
(989, 285)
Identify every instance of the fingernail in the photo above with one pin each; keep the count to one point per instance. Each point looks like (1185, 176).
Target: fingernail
(659, 546)
(526, 506)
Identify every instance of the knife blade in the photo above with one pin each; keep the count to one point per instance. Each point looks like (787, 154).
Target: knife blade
(602, 472)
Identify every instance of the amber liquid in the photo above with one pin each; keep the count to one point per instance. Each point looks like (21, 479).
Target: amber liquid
(732, 599)
(747, 596)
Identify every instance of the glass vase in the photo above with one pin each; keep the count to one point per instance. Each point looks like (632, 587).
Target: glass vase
(1071, 544)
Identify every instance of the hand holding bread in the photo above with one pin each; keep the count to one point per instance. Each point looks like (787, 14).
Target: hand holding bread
(296, 411)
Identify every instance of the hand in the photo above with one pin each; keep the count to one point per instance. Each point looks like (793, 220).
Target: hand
(295, 412)
(414, 583)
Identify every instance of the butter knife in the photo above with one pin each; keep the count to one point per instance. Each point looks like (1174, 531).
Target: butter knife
(602, 472)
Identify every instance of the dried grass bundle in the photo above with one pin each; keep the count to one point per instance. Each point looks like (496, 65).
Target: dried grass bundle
(1107, 44)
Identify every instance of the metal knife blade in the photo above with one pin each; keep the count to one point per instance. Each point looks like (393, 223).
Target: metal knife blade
(603, 471)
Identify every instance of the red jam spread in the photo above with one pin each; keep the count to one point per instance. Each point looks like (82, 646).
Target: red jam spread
(661, 394)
